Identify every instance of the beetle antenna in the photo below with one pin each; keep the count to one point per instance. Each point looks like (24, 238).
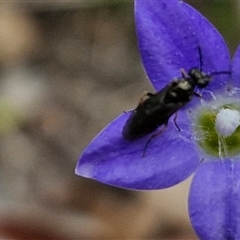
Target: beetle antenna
(200, 57)
(220, 72)
(183, 73)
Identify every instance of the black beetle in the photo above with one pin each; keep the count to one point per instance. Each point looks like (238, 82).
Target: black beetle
(155, 109)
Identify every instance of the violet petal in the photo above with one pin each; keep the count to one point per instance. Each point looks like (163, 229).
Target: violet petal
(169, 33)
(214, 200)
(236, 68)
(112, 160)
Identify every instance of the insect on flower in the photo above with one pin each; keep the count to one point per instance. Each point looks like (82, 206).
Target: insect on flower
(167, 34)
(154, 110)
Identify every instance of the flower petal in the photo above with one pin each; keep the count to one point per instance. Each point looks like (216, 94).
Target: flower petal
(236, 68)
(214, 200)
(169, 33)
(112, 160)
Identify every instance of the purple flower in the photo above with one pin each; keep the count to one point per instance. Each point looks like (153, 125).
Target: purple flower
(169, 34)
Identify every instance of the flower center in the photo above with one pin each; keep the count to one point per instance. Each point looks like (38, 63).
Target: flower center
(218, 131)
(227, 121)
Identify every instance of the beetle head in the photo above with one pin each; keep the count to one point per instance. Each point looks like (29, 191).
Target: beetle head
(200, 78)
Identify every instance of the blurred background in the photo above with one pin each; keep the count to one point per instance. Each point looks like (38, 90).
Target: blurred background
(66, 70)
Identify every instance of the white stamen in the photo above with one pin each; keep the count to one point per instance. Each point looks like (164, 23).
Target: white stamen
(227, 121)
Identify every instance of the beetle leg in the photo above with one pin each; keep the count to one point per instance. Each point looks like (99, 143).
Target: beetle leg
(183, 73)
(175, 122)
(129, 111)
(197, 95)
(153, 136)
(145, 96)
(159, 132)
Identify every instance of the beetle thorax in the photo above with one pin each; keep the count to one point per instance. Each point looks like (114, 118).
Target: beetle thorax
(184, 85)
